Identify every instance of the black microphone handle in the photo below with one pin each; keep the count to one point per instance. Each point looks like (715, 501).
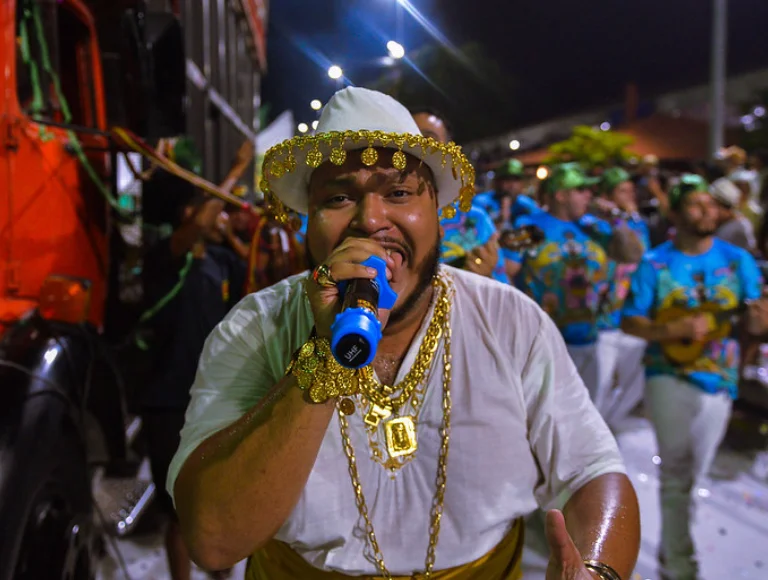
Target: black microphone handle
(362, 293)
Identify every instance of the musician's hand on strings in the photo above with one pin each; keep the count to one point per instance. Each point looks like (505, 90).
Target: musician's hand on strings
(483, 260)
(696, 327)
(757, 317)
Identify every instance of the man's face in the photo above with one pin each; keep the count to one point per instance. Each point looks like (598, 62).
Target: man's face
(512, 186)
(396, 208)
(624, 195)
(575, 202)
(698, 214)
(432, 126)
(724, 213)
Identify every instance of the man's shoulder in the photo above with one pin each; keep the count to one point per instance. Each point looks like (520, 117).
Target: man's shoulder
(273, 303)
(287, 290)
(661, 254)
(731, 251)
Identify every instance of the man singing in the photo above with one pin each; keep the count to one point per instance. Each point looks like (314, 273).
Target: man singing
(685, 290)
(470, 416)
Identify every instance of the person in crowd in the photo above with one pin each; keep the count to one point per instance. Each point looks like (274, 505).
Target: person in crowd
(732, 226)
(568, 275)
(682, 294)
(622, 377)
(749, 206)
(315, 470)
(192, 280)
(469, 238)
(507, 201)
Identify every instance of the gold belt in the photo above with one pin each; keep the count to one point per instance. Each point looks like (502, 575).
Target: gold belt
(277, 561)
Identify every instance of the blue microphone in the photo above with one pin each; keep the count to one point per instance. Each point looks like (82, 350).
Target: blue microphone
(356, 331)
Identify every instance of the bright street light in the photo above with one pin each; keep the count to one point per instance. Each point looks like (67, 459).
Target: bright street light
(395, 49)
(542, 173)
(303, 128)
(605, 126)
(316, 104)
(514, 144)
(314, 125)
(335, 72)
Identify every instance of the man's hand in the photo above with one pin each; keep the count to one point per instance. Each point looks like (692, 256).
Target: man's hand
(245, 154)
(483, 259)
(344, 263)
(696, 327)
(565, 561)
(604, 206)
(757, 317)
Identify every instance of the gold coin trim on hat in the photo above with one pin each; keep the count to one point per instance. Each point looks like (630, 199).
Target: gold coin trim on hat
(280, 160)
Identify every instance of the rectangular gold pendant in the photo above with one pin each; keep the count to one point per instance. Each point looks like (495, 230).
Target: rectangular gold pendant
(401, 436)
(374, 416)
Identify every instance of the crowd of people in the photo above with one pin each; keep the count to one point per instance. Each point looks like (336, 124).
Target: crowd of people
(534, 351)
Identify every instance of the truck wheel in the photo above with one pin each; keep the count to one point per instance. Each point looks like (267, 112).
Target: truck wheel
(59, 540)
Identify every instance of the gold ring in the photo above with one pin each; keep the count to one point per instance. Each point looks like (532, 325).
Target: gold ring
(322, 276)
(478, 261)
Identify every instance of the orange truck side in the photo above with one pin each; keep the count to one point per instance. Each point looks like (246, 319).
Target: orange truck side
(53, 219)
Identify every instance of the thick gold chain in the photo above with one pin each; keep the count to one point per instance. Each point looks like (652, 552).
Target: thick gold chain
(436, 512)
(378, 394)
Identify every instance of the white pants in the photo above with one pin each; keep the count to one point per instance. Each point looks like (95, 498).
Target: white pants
(622, 374)
(587, 362)
(689, 425)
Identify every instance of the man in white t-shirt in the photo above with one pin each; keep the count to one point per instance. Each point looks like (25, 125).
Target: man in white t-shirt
(470, 416)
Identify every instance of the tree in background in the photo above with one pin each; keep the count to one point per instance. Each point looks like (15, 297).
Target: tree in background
(592, 148)
(465, 84)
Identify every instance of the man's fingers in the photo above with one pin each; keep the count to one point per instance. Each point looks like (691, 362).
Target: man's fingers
(359, 250)
(342, 271)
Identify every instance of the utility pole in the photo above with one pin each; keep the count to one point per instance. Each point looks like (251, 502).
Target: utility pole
(718, 80)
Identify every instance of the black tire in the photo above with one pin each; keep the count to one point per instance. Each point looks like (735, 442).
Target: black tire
(60, 539)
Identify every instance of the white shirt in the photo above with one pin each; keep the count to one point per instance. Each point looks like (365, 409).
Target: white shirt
(524, 432)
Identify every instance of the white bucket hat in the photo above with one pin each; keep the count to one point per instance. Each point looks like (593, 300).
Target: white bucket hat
(726, 192)
(355, 119)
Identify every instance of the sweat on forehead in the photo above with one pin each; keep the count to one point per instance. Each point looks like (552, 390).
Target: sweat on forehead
(328, 172)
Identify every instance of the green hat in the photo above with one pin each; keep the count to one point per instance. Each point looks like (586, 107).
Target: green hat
(612, 178)
(510, 168)
(689, 183)
(568, 176)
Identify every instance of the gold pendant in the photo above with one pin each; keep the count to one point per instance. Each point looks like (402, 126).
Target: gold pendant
(401, 436)
(374, 416)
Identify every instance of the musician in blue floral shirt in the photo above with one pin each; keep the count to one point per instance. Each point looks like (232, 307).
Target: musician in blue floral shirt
(622, 376)
(568, 274)
(681, 300)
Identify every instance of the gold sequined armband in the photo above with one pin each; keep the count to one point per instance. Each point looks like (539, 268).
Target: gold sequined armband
(318, 373)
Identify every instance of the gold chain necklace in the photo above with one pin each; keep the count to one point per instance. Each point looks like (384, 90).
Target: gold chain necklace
(436, 511)
(401, 431)
(380, 396)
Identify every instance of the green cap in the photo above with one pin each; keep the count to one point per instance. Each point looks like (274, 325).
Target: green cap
(613, 177)
(510, 168)
(689, 183)
(568, 176)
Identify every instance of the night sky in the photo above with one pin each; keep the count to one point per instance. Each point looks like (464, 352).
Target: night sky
(564, 55)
